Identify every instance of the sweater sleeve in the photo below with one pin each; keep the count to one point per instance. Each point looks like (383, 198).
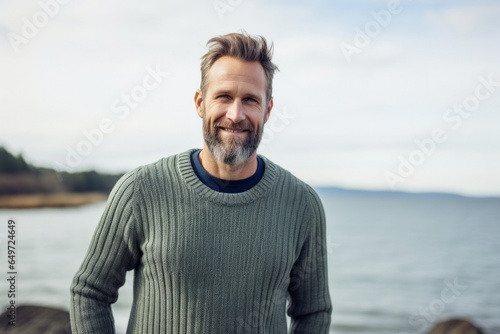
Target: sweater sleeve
(310, 306)
(113, 251)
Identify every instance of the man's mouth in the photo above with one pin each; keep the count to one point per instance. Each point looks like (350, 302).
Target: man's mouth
(231, 130)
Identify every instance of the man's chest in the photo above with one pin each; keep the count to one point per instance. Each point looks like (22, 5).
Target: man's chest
(205, 243)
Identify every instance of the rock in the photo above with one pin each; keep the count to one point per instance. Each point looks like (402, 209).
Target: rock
(32, 319)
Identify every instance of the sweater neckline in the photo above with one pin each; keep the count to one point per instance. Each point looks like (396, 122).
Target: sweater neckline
(190, 178)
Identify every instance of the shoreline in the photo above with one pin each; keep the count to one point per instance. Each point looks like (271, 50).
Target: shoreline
(55, 200)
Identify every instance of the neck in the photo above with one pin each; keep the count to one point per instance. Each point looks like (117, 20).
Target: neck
(227, 172)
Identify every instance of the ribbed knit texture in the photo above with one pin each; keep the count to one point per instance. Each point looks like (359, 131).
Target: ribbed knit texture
(205, 261)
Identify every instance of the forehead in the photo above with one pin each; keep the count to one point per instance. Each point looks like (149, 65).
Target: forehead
(229, 72)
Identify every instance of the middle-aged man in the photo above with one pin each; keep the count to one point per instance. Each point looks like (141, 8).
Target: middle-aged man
(218, 238)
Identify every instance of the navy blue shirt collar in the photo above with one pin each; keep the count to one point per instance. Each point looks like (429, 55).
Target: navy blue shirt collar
(226, 186)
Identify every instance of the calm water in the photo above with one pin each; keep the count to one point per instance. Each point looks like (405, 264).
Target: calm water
(397, 263)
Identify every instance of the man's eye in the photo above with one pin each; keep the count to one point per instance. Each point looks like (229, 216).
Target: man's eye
(250, 99)
(224, 97)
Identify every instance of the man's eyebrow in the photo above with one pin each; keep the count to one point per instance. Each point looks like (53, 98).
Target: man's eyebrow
(223, 91)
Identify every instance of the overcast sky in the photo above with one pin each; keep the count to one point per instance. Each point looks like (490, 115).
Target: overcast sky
(370, 94)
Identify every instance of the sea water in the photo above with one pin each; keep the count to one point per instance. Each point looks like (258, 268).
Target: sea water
(397, 263)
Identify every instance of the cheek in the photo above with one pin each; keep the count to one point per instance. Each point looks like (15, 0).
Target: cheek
(262, 117)
(209, 120)
(214, 112)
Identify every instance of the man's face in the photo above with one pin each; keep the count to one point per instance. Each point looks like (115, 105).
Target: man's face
(234, 109)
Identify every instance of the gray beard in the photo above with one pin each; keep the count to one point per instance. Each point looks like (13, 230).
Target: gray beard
(231, 152)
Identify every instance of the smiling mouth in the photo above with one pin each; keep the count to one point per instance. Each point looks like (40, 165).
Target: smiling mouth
(233, 130)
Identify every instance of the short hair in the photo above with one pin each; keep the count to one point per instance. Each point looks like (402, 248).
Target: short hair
(456, 326)
(241, 46)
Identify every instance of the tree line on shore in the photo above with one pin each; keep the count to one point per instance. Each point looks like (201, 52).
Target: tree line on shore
(20, 177)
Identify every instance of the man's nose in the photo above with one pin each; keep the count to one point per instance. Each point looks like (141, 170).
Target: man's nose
(235, 111)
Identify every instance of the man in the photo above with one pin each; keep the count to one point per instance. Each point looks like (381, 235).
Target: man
(218, 238)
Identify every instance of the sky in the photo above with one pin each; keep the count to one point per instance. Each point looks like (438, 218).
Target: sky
(387, 95)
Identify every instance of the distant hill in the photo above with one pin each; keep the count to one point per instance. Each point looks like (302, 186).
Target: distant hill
(20, 177)
(336, 191)
(10, 164)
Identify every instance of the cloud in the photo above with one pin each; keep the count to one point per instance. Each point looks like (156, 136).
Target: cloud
(467, 19)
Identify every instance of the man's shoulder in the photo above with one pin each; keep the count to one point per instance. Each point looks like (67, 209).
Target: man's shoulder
(162, 168)
(162, 164)
(290, 181)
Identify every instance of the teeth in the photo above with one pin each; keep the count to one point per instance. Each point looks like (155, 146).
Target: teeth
(232, 130)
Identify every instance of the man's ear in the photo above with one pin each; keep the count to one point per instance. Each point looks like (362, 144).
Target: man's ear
(268, 109)
(198, 102)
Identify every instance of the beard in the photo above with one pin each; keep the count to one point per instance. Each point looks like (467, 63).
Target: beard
(231, 151)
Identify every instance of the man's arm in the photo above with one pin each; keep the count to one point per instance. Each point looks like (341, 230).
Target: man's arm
(310, 306)
(112, 252)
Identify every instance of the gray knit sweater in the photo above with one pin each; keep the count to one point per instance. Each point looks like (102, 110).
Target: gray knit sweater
(205, 261)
